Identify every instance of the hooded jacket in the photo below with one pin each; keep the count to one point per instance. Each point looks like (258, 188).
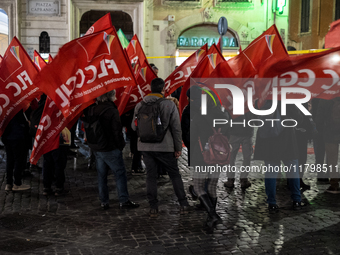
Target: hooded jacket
(170, 119)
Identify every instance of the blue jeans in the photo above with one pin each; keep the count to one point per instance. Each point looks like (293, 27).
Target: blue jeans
(293, 180)
(111, 160)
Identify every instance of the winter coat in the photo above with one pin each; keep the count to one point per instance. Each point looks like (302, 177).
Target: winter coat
(110, 122)
(170, 119)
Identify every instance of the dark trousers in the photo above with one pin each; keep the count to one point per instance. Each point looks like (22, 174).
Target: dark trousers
(168, 162)
(319, 151)
(54, 165)
(332, 153)
(16, 152)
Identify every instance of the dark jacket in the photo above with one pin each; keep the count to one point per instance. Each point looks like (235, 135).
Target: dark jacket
(323, 121)
(202, 128)
(110, 122)
(17, 129)
(170, 118)
(282, 147)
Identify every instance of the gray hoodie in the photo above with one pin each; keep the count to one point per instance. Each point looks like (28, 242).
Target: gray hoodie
(170, 118)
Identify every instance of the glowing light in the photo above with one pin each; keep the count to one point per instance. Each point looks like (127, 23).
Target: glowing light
(335, 58)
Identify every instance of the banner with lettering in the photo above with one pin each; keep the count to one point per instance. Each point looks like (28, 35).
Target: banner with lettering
(202, 71)
(314, 73)
(179, 76)
(84, 69)
(38, 61)
(17, 90)
(267, 49)
(51, 124)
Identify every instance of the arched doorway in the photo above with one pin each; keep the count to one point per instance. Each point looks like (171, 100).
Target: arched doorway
(120, 20)
(3, 31)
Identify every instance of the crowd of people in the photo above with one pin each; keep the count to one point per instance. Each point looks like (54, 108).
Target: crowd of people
(156, 134)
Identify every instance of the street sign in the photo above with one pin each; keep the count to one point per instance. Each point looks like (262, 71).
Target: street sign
(222, 26)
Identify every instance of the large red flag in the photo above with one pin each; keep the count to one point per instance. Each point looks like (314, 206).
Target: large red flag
(178, 77)
(39, 61)
(267, 49)
(51, 124)
(17, 73)
(102, 24)
(135, 51)
(202, 71)
(319, 73)
(84, 69)
(332, 38)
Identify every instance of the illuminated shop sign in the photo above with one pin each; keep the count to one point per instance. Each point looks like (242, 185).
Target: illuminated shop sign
(200, 41)
(195, 37)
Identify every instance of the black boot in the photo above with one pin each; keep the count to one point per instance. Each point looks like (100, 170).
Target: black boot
(213, 217)
(214, 203)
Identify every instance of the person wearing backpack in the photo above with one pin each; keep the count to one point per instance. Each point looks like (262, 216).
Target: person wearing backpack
(276, 144)
(105, 138)
(157, 123)
(328, 118)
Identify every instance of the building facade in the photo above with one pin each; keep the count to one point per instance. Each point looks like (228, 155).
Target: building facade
(164, 27)
(309, 22)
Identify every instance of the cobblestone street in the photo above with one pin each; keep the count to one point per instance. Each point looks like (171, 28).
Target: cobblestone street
(31, 223)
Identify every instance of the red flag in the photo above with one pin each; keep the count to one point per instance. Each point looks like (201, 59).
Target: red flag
(202, 71)
(332, 38)
(316, 72)
(0, 59)
(100, 25)
(268, 48)
(178, 77)
(39, 61)
(135, 51)
(17, 73)
(84, 69)
(50, 58)
(51, 124)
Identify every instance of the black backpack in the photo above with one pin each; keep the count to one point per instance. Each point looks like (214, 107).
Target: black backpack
(95, 134)
(150, 127)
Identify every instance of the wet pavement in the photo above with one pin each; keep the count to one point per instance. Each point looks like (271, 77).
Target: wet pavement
(31, 223)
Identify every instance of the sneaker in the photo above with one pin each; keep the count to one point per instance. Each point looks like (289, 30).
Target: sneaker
(298, 205)
(47, 191)
(128, 205)
(8, 187)
(245, 184)
(60, 192)
(273, 208)
(153, 212)
(105, 206)
(139, 171)
(229, 184)
(21, 187)
(333, 190)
